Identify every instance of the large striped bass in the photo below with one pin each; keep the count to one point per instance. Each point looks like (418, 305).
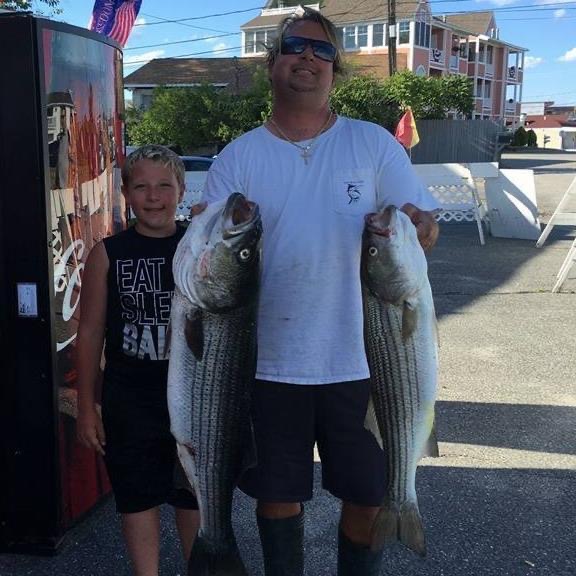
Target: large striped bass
(401, 347)
(212, 368)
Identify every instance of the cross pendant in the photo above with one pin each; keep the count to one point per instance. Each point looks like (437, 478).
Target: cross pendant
(305, 154)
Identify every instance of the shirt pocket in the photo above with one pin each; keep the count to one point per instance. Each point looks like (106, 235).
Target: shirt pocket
(354, 191)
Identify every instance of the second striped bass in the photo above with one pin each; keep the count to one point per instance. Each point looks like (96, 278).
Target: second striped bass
(401, 347)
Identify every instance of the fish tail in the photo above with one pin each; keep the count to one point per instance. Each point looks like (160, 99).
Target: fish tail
(402, 523)
(385, 527)
(204, 561)
(411, 529)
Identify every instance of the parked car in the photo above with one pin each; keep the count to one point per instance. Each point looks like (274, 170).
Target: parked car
(195, 176)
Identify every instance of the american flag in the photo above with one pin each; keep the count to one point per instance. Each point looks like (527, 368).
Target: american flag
(115, 18)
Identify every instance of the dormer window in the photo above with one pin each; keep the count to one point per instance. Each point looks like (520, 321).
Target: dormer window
(256, 41)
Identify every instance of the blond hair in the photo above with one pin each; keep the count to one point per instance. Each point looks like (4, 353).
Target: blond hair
(156, 153)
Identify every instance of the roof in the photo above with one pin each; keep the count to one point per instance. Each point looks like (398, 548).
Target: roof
(549, 121)
(236, 73)
(343, 12)
(475, 22)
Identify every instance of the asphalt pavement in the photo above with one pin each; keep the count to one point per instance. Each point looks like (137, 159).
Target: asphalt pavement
(499, 501)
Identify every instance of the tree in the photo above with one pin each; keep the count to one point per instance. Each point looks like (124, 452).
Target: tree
(198, 117)
(520, 137)
(20, 5)
(531, 139)
(434, 96)
(366, 98)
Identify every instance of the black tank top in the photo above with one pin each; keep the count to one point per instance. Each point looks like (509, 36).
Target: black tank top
(140, 288)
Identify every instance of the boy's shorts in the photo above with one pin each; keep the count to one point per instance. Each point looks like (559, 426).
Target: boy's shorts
(141, 457)
(289, 419)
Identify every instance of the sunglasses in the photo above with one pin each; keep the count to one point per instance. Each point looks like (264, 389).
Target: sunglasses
(320, 48)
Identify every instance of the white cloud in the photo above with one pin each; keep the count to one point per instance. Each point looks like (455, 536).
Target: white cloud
(498, 2)
(560, 13)
(570, 56)
(220, 47)
(139, 59)
(532, 61)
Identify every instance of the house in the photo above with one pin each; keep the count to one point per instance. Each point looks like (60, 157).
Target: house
(466, 44)
(234, 74)
(553, 130)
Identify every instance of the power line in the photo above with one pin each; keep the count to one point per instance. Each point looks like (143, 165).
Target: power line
(183, 41)
(179, 20)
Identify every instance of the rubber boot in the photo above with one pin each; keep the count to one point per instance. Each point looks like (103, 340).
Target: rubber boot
(357, 559)
(282, 545)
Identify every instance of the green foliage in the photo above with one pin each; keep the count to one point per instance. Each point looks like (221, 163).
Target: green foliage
(432, 97)
(531, 138)
(520, 137)
(365, 98)
(207, 116)
(196, 117)
(23, 5)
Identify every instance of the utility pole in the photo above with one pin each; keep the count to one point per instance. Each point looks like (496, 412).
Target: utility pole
(392, 36)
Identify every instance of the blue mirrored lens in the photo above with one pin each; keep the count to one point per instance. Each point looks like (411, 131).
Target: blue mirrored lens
(297, 45)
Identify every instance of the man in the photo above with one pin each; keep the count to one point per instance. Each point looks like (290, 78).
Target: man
(314, 176)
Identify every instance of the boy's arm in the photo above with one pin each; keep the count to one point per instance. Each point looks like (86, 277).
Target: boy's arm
(93, 300)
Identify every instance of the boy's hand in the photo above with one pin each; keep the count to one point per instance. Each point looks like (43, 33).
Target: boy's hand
(426, 225)
(90, 431)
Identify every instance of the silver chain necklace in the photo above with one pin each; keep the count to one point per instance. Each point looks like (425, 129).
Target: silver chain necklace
(305, 149)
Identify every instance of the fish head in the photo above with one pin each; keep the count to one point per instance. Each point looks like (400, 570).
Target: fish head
(217, 262)
(393, 264)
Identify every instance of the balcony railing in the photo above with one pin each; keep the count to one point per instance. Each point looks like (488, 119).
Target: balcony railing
(514, 73)
(454, 60)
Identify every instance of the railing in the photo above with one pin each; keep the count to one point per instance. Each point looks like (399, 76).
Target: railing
(454, 61)
(511, 107)
(489, 70)
(487, 103)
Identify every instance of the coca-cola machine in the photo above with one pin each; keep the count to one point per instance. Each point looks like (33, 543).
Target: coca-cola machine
(61, 105)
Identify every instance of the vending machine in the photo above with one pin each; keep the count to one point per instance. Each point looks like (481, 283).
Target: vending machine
(61, 144)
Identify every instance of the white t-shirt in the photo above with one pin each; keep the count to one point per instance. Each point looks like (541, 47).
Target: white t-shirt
(310, 317)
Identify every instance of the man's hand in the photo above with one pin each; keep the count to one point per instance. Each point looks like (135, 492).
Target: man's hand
(426, 225)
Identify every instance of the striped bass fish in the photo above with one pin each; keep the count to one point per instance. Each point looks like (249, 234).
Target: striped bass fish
(212, 367)
(401, 346)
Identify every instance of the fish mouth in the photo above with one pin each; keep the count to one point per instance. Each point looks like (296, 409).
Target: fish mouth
(382, 223)
(239, 215)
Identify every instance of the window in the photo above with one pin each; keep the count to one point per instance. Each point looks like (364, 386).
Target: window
(404, 33)
(354, 37)
(422, 34)
(255, 41)
(378, 35)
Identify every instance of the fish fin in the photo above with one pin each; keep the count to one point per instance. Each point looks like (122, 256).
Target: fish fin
(431, 447)
(371, 422)
(206, 561)
(409, 320)
(186, 458)
(194, 332)
(385, 527)
(410, 528)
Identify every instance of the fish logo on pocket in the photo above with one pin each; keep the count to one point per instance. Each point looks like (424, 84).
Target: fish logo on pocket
(354, 192)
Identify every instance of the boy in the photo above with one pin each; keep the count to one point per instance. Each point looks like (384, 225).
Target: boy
(125, 307)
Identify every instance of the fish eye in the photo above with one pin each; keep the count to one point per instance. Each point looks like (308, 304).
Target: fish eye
(245, 254)
(373, 251)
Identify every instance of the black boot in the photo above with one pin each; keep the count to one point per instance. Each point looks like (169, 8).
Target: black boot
(356, 559)
(282, 545)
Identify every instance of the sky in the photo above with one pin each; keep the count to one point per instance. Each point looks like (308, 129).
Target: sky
(547, 28)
